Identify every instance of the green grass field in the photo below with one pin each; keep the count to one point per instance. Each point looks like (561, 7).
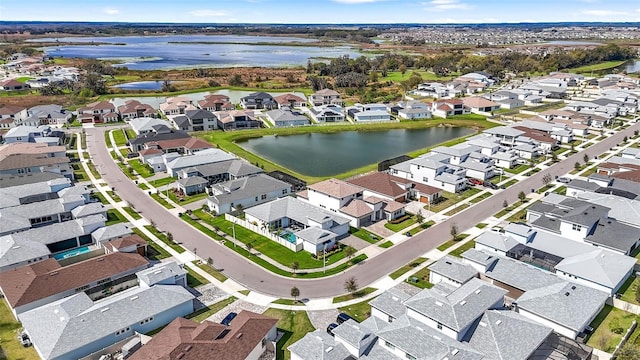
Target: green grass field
(11, 347)
(596, 67)
(204, 313)
(360, 311)
(403, 270)
(119, 137)
(295, 325)
(143, 169)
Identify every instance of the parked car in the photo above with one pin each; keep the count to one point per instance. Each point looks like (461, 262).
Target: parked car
(227, 319)
(475, 181)
(331, 327)
(564, 180)
(490, 185)
(342, 317)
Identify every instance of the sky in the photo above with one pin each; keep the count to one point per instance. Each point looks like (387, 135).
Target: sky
(322, 11)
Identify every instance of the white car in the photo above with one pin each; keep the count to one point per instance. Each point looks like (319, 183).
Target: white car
(564, 180)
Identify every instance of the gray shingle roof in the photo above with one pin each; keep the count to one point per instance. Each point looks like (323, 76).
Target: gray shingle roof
(319, 345)
(160, 273)
(236, 168)
(315, 235)
(192, 180)
(454, 269)
(77, 322)
(599, 266)
(354, 333)
(207, 156)
(506, 335)
(245, 188)
(519, 275)
(111, 232)
(497, 241)
(614, 235)
(293, 208)
(460, 308)
(565, 303)
(391, 302)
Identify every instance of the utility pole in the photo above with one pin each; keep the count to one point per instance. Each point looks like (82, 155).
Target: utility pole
(233, 229)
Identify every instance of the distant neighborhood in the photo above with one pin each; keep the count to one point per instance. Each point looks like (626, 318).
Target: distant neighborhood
(547, 273)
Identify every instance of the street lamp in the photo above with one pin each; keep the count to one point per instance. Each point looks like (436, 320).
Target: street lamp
(233, 229)
(195, 253)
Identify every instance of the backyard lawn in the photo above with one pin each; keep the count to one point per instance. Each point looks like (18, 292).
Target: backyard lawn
(267, 246)
(295, 325)
(11, 347)
(610, 325)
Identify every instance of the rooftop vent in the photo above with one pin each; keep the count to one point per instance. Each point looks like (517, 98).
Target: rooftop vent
(463, 302)
(187, 348)
(455, 351)
(239, 336)
(448, 262)
(53, 273)
(104, 309)
(567, 294)
(478, 291)
(498, 322)
(483, 324)
(573, 287)
(328, 349)
(438, 303)
(134, 298)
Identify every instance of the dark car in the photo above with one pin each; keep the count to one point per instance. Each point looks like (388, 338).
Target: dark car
(491, 185)
(331, 327)
(227, 319)
(342, 317)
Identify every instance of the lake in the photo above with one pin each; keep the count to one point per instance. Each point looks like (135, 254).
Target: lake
(155, 101)
(141, 85)
(192, 51)
(320, 154)
(632, 66)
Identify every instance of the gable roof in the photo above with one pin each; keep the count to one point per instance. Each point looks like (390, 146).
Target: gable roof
(188, 340)
(381, 183)
(452, 268)
(599, 266)
(37, 281)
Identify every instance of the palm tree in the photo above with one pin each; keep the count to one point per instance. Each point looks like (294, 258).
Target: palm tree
(294, 266)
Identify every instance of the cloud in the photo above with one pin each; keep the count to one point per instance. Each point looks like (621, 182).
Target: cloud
(446, 5)
(110, 11)
(208, 13)
(602, 12)
(355, 1)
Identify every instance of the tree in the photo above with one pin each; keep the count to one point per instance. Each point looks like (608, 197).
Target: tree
(210, 262)
(547, 179)
(576, 165)
(351, 285)
(554, 157)
(585, 158)
(170, 237)
(419, 216)
(454, 231)
(628, 352)
(295, 292)
(349, 252)
(505, 203)
(249, 246)
(294, 266)
(403, 69)
(167, 86)
(236, 80)
(522, 196)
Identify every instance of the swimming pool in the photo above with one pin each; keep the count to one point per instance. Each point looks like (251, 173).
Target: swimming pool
(289, 236)
(70, 253)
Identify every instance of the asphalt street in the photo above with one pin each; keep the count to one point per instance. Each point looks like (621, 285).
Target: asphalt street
(256, 278)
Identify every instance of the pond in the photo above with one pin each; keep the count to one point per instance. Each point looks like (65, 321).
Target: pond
(632, 66)
(141, 85)
(328, 154)
(155, 101)
(192, 51)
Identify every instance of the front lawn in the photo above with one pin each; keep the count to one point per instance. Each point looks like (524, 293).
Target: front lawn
(461, 249)
(422, 226)
(410, 220)
(448, 199)
(211, 271)
(162, 201)
(186, 199)
(134, 214)
(204, 313)
(119, 137)
(364, 235)
(420, 279)
(114, 217)
(161, 182)
(154, 251)
(165, 239)
(194, 279)
(143, 169)
(403, 270)
(457, 209)
(355, 295)
(294, 324)
(360, 311)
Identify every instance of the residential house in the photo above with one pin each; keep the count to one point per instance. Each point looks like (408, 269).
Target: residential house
(325, 97)
(156, 133)
(221, 171)
(26, 158)
(132, 243)
(216, 102)
(12, 85)
(98, 112)
(249, 336)
(452, 271)
(145, 125)
(133, 109)
(368, 112)
(200, 120)
(448, 107)
(27, 188)
(432, 89)
(387, 186)
(432, 169)
(327, 113)
(258, 100)
(54, 115)
(31, 134)
(237, 119)
(284, 117)
(176, 105)
(77, 326)
(158, 154)
(12, 115)
(28, 287)
(506, 99)
(191, 185)
(290, 101)
(414, 110)
(313, 228)
(480, 105)
(246, 192)
(202, 157)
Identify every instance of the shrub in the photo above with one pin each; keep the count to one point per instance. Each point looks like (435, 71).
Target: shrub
(400, 219)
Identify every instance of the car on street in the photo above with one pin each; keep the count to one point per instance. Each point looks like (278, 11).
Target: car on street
(331, 327)
(227, 319)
